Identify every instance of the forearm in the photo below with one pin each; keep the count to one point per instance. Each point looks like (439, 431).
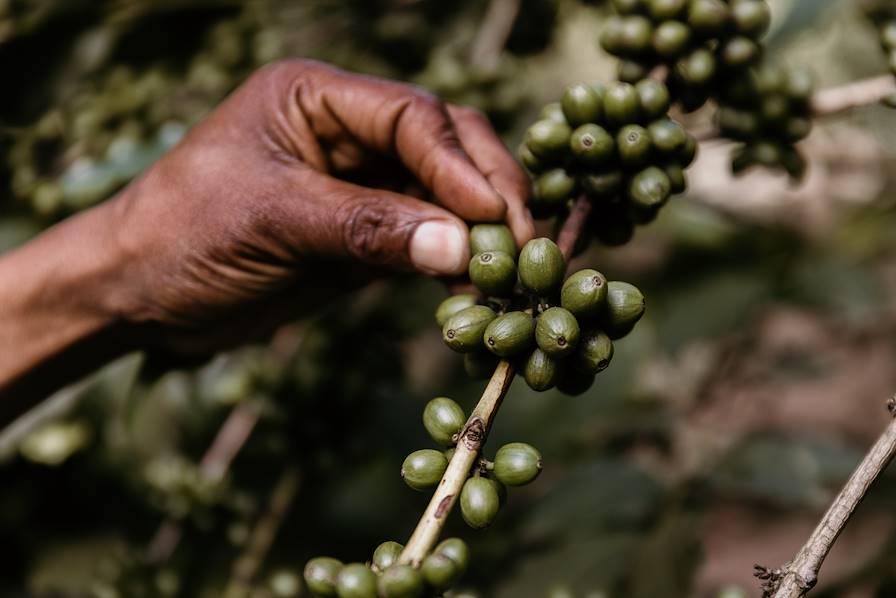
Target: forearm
(58, 312)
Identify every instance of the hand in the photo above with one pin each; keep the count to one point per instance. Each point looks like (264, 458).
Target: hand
(255, 208)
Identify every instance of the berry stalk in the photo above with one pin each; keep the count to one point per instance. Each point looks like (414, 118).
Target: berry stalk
(474, 433)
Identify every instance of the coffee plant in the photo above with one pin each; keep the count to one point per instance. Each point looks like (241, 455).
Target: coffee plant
(605, 157)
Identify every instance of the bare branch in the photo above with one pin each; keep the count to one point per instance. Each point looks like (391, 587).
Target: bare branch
(799, 576)
(493, 33)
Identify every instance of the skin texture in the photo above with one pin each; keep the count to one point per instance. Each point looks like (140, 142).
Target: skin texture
(306, 182)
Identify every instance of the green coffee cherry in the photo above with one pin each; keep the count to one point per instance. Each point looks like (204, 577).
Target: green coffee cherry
(799, 85)
(463, 331)
(625, 306)
(452, 305)
(423, 469)
(751, 17)
(439, 571)
(633, 145)
(510, 334)
(541, 266)
(492, 237)
(796, 128)
(602, 184)
(320, 575)
(671, 39)
(632, 71)
(612, 36)
(517, 464)
(356, 581)
(581, 104)
(591, 145)
(548, 138)
(621, 104)
(557, 332)
(540, 371)
(529, 160)
(479, 502)
(687, 152)
(443, 418)
(552, 111)
(386, 555)
(636, 34)
(554, 187)
(401, 581)
(774, 108)
(708, 17)
(627, 7)
(661, 10)
(697, 67)
(584, 293)
(480, 365)
(677, 179)
(666, 135)
(456, 550)
(739, 51)
(573, 382)
(739, 124)
(653, 98)
(649, 188)
(493, 273)
(594, 353)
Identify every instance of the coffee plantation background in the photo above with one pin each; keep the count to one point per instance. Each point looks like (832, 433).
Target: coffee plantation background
(731, 415)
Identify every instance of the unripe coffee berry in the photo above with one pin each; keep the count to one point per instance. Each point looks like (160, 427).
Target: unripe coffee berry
(517, 464)
(456, 550)
(557, 332)
(452, 305)
(594, 353)
(510, 334)
(423, 469)
(633, 145)
(492, 237)
(439, 571)
(591, 145)
(548, 138)
(386, 555)
(540, 371)
(320, 575)
(653, 97)
(356, 581)
(649, 188)
(584, 293)
(493, 273)
(621, 104)
(625, 306)
(401, 581)
(443, 418)
(479, 502)
(541, 266)
(463, 331)
(581, 104)
(553, 187)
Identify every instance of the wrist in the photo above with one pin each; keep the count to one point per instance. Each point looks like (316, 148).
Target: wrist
(58, 292)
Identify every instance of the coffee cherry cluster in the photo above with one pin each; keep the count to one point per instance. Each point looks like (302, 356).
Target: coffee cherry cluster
(768, 110)
(616, 145)
(384, 577)
(515, 464)
(560, 333)
(699, 41)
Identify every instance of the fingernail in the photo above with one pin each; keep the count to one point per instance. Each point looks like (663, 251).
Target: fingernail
(440, 248)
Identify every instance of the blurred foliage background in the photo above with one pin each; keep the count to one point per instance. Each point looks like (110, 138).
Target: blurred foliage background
(729, 419)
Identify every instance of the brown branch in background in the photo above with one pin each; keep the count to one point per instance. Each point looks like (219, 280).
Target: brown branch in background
(572, 228)
(231, 437)
(799, 576)
(493, 33)
(263, 535)
(853, 95)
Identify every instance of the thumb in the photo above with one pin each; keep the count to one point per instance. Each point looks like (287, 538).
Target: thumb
(384, 228)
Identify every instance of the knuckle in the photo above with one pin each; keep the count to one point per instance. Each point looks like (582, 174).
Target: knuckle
(372, 231)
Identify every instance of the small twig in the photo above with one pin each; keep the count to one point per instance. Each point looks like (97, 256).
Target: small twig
(231, 437)
(248, 564)
(799, 576)
(493, 33)
(475, 432)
